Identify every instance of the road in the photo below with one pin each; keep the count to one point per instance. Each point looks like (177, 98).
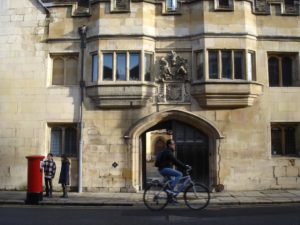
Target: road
(244, 215)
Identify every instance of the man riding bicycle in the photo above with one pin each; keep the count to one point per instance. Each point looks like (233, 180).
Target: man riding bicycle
(165, 161)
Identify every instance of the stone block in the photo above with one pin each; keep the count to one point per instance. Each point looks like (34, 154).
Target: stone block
(287, 182)
(279, 171)
(292, 171)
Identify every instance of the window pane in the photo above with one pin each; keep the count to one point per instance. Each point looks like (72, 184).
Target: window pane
(223, 3)
(56, 141)
(276, 141)
(287, 71)
(134, 73)
(121, 66)
(147, 67)
(290, 142)
(71, 71)
(213, 65)
(199, 66)
(273, 72)
(239, 62)
(107, 66)
(250, 66)
(226, 64)
(94, 68)
(70, 141)
(58, 72)
(171, 5)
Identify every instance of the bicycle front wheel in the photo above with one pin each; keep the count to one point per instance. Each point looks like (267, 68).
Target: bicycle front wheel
(196, 196)
(155, 198)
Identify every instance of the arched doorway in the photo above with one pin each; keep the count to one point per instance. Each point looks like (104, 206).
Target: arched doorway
(192, 148)
(183, 124)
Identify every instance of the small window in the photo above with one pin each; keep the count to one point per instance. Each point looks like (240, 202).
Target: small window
(282, 70)
(94, 67)
(224, 3)
(171, 5)
(147, 66)
(213, 64)
(250, 66)
(134, 66)
(58, 71)
(65, 70)
(284, 138)
(64, 139)
(226, 64)
(120, 5)
(108, 66)
(199, 66)
(121, 66)
(239, 65)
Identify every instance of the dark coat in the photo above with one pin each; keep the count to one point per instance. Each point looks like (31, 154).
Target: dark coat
(167, 159)
(64, 172)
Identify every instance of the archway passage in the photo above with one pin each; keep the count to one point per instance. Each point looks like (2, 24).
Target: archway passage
(192, 148)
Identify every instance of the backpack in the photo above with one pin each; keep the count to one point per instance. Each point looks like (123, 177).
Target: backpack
(158, 159)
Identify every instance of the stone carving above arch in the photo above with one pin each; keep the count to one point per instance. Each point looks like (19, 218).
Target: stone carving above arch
(173, 79)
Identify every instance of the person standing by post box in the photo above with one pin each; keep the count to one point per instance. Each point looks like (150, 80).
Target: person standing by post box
(64, 175)
(49, 167)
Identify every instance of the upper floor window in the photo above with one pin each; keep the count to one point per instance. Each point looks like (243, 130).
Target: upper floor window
(282, 71)
(94, 67)
(171, 5)
(229, 64)
(64, 69)
(126, 66)
(63, 139)
(223, 4)
(284, 138)
(148, 62)
(120, 5)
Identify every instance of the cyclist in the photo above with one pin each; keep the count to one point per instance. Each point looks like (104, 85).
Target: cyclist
(165, 161)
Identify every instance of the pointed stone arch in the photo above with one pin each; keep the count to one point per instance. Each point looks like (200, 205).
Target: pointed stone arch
(137, 129)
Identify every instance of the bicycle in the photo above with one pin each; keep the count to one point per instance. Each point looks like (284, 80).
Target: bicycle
(158, 195)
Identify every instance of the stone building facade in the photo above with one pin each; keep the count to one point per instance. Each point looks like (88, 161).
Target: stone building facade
(108, 81)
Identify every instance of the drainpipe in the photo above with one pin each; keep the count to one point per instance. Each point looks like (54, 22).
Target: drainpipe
(82, 32)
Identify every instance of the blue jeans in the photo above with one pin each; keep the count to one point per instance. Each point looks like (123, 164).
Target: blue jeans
(169, 172)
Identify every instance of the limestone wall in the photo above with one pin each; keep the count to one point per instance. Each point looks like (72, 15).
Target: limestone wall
(28, 101)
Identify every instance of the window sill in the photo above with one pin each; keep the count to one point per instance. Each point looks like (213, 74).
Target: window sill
(130, 94)
(226, 93)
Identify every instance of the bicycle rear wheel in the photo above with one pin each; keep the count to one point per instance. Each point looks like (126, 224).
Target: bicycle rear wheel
(155, 198)
(196, 196)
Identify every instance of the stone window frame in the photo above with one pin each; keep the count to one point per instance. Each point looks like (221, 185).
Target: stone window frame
(219, 7)
(279, 147)
(114, 53)
(247, 64)
(63, 127)
(115, 9)
(64, 57)
(295, 76)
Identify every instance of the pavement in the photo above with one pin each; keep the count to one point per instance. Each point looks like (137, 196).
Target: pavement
(135, 199)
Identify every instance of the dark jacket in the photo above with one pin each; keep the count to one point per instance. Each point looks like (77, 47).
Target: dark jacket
(167, 160)
(64, 172)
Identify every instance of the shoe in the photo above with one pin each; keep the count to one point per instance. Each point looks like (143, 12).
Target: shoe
(46, 195)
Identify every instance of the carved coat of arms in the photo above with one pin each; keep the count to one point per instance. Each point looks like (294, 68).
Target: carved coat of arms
(172, 79)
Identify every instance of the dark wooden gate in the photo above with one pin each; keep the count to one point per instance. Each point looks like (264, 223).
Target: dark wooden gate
(192, 148)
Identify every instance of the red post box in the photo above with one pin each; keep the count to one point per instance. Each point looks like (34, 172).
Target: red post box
(34, 179)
